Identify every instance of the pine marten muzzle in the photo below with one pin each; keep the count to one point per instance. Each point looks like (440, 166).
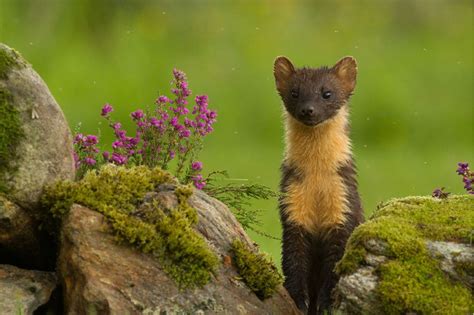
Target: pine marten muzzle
(319, 204)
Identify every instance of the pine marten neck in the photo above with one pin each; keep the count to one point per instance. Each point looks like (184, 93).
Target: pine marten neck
(317, 142)
(324, 147)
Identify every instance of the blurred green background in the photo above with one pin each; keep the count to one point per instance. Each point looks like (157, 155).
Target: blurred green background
(412, 111)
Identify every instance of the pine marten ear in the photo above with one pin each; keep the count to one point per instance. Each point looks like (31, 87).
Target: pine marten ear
(282, 70)
(346, 70)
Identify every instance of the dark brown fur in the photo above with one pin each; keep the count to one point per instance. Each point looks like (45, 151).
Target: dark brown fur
(309, 255)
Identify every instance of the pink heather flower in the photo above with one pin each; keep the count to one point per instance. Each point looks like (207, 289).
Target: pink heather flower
(106, 110)
(462, 168)
(162, 99)
(155, 122)
(179, 75)
(197, 166)
(89, 161)
(174, 121)
(172, 154)
(165, 116)
(134, 141)
(201, 100)
(106, 155)
(118, 159)
(91, 140)
(117, 144)
(120, 134)
(200, 185)
(117, 125)
(136, 115)
(198, 181)
(79, 138)
(185, 133)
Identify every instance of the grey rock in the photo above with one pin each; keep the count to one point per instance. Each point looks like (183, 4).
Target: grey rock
(374, 260)
(377, 247)
(355, 292)
(45, 153)
(455, 260)
(23, 291)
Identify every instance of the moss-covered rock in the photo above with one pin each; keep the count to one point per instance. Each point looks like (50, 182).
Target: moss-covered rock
(168, 234)
(412, 277)
(256, 269)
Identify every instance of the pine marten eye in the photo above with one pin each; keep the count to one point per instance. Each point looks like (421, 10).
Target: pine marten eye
(327, 95)
(294, 93)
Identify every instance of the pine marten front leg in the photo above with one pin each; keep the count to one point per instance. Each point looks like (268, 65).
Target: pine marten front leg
(295, 250)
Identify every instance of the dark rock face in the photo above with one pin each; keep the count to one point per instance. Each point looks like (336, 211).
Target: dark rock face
(21, 242)
(23, 291)
(44, 151)
(98, 274)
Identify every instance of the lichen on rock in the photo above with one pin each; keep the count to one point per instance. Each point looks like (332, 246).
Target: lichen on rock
(168, 234)
(256, 270)
(410, 277)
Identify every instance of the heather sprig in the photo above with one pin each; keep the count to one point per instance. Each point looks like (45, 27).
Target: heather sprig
(467, 176)
(171, 130)
(86, 153)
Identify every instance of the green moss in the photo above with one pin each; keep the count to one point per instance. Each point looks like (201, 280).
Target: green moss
(9, 59)
(419, 285)
(411, 279)
(353, 257)
(168, 234)
(257, 270)
(11, 133)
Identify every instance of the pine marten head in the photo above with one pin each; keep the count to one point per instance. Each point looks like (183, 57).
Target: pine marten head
(314, 95)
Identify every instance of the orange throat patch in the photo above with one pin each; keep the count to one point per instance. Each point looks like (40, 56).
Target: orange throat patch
(318, 201)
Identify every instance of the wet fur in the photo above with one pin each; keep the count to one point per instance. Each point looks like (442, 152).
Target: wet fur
(319, 205)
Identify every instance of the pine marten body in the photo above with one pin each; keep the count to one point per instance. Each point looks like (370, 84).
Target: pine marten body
(320, 205)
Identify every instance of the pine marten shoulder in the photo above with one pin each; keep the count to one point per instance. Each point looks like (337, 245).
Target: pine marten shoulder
(319, 204)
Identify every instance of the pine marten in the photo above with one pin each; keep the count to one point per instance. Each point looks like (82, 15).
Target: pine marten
(319, 203)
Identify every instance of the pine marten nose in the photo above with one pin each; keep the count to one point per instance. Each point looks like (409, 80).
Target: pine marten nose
(307, 111)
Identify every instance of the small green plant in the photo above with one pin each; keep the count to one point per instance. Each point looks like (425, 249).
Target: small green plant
(256, 269)
(238, 197)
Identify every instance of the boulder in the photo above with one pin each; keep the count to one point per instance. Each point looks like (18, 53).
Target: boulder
(414, 256)
(100, 275)
(23, 291)
(35, 140)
